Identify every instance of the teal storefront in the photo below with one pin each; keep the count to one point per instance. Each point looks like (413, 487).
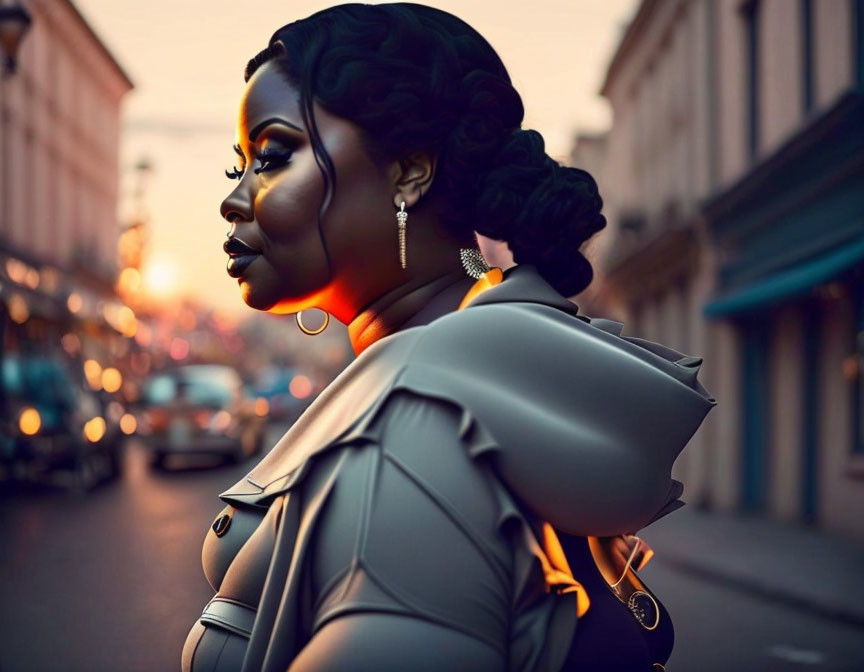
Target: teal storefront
(794, 223)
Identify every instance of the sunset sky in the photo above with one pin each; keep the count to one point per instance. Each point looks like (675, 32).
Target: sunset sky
(186, 58)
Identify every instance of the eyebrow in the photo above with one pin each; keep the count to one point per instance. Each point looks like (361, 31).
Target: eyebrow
(255, 132)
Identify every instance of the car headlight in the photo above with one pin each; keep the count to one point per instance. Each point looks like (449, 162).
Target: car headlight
(220, 421)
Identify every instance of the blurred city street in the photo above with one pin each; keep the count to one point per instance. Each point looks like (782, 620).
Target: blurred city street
(113, 581)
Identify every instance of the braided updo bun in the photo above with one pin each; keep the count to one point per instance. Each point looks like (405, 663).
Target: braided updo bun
(415, 78)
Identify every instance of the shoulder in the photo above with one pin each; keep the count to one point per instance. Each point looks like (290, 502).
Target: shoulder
(566, 410)
(497, 332)
(536, 341)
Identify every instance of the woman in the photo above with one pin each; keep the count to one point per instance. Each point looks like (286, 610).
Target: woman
(431, 510)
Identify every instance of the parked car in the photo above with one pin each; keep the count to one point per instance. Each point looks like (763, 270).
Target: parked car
(200, 408)
(53, 429)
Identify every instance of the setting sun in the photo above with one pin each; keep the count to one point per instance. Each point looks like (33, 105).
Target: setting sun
(160, 276)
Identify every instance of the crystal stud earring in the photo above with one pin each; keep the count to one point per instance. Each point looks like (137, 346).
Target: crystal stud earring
(473, 261)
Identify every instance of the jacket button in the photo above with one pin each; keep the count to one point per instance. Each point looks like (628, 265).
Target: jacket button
(220, 526)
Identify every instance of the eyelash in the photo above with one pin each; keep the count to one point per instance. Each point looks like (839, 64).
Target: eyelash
(269, 160)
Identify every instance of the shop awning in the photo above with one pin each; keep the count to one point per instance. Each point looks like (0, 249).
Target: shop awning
(788, 283)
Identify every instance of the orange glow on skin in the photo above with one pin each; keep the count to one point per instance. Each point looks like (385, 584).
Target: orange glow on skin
(326, 296)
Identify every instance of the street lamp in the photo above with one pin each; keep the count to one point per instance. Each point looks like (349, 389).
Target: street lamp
(14, 22)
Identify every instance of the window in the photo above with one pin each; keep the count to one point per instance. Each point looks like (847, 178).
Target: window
(750, 15)
(858, 41)
(807, 55)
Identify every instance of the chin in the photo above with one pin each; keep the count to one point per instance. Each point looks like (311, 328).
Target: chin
(255, 299)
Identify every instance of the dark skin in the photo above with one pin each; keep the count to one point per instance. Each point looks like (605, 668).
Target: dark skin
(274, 208)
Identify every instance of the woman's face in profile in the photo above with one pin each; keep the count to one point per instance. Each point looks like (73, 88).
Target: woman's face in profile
(274, 207)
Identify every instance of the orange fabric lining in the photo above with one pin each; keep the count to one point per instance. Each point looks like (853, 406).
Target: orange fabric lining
(489, 279)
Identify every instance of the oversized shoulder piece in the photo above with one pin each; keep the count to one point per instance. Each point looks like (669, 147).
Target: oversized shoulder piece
(584, 425)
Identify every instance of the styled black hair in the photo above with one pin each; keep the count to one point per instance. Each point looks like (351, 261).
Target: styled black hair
(415, 78)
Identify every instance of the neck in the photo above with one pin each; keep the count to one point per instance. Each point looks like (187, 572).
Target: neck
(409, 305)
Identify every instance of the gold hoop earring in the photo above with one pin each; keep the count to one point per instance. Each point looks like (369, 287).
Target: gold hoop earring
(306, 330)
(402, 219)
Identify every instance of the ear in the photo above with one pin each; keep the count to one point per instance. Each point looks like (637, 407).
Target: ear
(412, 177)
(495, 252)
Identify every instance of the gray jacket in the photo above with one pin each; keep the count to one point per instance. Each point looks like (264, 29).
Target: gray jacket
(570, 423)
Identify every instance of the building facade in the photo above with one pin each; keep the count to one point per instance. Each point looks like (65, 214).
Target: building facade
(61, 137)
(733, 178)
(59, 141)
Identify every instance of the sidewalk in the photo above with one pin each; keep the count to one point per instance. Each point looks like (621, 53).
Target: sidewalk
(793, 564)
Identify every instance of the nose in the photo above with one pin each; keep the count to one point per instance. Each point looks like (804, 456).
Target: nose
(237, 206)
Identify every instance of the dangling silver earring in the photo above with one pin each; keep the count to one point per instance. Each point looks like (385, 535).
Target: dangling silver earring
(402, 219)
(473, 261)
(306, 330)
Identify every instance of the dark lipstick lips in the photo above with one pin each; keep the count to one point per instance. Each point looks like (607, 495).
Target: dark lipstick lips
(237, 265)
(235, 247)
(241, 256)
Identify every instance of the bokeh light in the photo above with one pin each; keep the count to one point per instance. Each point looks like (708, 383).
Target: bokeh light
(128, 424)
(94, 429)
(300, 386)
(111, 379)
(29, 421)
(93, 374)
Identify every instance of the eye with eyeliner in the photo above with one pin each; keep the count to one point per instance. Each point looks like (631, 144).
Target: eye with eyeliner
(270, 159)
